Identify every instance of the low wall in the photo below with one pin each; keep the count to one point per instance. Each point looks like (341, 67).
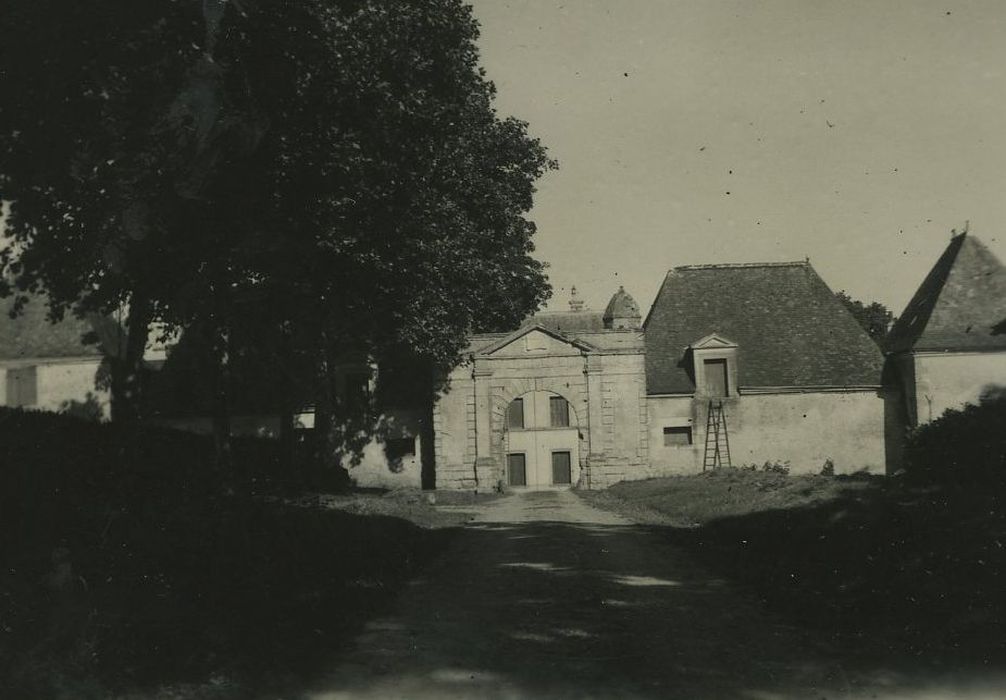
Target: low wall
(805, 429)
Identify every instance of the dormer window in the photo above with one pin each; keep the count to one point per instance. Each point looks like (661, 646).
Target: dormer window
(717, 377)
(715, 365)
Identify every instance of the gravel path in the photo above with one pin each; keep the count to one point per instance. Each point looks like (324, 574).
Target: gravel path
(545, 596)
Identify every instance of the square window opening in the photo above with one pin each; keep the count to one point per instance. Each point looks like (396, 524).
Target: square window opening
(677, 435)
(22, 386)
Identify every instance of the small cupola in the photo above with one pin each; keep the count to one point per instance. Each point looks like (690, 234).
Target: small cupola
(622, 312)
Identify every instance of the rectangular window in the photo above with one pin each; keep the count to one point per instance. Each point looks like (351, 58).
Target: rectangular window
(516, 469)
(716, 377)
(561, 468)
(677, 435)
(515, 414)
(558, 409)
(22, 387)
(397, 449)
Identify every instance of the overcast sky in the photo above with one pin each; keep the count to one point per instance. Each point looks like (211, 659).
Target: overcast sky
(856, 133)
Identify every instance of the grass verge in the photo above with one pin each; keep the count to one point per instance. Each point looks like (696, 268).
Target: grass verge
(907, 570)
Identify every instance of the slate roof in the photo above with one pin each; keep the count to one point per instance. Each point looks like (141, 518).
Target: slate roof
(567, 321)
(959, 304)
(625, 341)
(790, 328)
(478, 341)
(31, 335)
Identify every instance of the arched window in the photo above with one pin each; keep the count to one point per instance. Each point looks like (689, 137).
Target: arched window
(515, 415)
(558, 412)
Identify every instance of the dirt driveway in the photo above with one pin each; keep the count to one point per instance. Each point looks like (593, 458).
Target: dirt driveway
(545, 596)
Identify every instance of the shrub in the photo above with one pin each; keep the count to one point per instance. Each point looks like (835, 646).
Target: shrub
(776, 467)
(769, 467)
(963, 446)
(125, 562)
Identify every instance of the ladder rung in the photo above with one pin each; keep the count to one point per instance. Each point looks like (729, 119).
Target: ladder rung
(717, 437)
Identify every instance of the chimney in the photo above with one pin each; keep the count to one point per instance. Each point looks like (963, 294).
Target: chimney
(575, 303)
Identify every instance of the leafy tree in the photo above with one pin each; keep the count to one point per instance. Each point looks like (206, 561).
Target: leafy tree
(328, 177)
(83, 156)
(874, 317)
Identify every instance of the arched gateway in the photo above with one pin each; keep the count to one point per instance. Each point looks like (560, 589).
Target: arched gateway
(541, 441)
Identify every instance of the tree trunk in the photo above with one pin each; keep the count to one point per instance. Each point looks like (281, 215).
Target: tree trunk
(127, 364)
(221, 406)
(323, 408)
(288, 463)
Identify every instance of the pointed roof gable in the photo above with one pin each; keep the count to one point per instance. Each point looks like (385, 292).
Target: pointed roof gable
(959, 304)
(790, 329)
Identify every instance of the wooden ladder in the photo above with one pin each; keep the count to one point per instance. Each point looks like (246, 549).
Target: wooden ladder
(717, 440)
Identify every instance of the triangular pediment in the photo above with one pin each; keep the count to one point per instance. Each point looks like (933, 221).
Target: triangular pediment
(713, 341)
(535, 340)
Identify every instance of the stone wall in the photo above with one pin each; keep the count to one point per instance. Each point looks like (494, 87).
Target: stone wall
(803, 428)
(62, 381)
(454, 432)
(676, 412)
(374, 470)
(949, 380)
(620, 444)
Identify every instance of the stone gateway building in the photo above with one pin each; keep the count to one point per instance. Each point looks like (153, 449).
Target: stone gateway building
(734, 364)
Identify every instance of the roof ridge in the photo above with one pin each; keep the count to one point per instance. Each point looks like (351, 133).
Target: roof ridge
(711, 266)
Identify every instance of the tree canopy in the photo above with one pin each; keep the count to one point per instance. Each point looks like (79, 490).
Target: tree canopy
(874, 317)
(329, 175)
